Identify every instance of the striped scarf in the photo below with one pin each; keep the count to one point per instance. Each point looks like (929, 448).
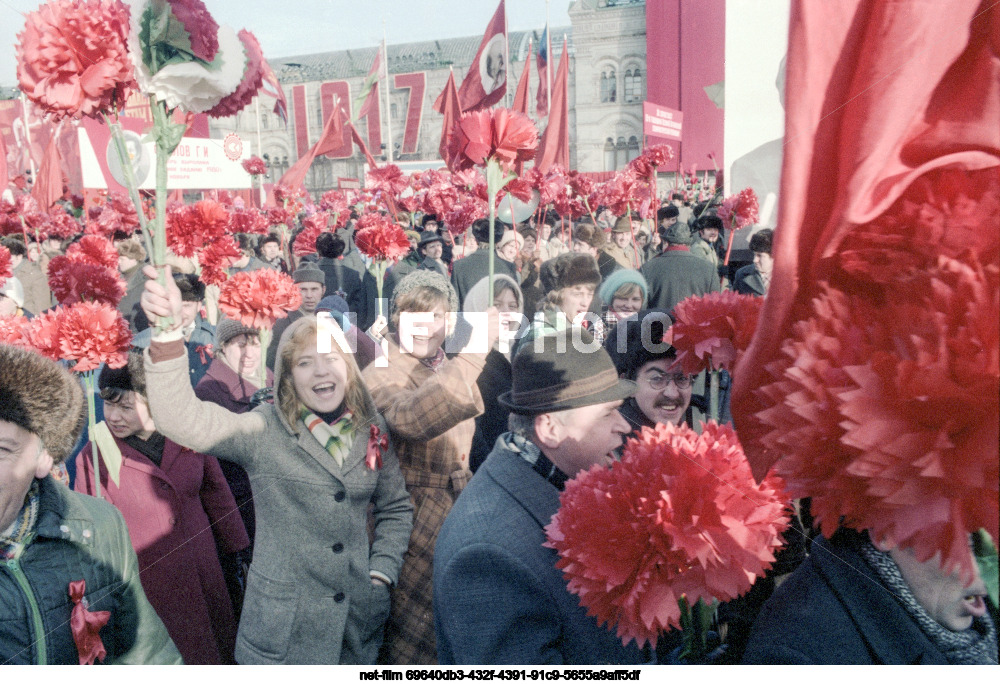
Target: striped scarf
(18, 535)
(336, 438)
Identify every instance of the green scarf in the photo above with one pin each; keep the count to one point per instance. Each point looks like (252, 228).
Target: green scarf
(336, 438)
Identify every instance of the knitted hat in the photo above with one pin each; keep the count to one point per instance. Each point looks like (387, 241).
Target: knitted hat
(227, 329)
(568, 270)
(12, 288)
(42, 397)
(309, 274)
(425, 278)
(562, 376)
(677, 234)
(338, 308)
(511, 236)
(619, 278)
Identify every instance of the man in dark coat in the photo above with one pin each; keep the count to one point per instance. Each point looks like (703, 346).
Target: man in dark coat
(851, 602)
(312, 285)
(340, 278)
(675, 273)
(755, 278)
(468, 271)
(498, 597)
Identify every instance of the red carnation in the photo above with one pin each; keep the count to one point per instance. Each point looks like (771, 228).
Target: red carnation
(216, 258)
(658, 155)
(501, 134)
(277, 216)
(243, 220)
(335, 202)
(253, 77)
(712, 331)
(462, 215)
(305, 241)
(75, 280)
(43, 333)
(380, 239)
(96, 250)
(259, 298)
(6, 269)
(255, 166)
(189, 227)
(87, 333)
(680, 516)
(14, 330)
(740, 210)
(388, 179)
(60, 225)
(198, 22)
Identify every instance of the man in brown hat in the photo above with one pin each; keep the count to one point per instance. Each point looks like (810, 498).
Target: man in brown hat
(621, 248)
(498, 597)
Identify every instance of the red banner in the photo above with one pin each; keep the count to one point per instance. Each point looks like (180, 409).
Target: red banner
(341, 91)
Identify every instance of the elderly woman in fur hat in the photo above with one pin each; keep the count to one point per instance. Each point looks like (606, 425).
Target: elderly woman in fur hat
(321, 465)
(61, 552)
(429, 403)
(179, 510)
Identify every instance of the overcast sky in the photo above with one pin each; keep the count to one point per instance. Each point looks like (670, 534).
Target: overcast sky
(296, 27)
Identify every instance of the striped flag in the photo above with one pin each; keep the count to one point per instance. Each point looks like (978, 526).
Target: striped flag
(368, 95)
(272, 88)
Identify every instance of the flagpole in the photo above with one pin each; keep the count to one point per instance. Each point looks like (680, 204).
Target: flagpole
(260, 150)
(507, 64)
(388, 111)
(27, 138)
(549, 60)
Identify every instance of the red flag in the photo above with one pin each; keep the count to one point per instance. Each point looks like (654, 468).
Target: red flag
(486, 81)
(553, 148)
(864, 120)
(368, 95)
(361, 143)
(452, 112)
(521, 94)
(330, 139)
(48, 186)
(272, 88)
(542, 62)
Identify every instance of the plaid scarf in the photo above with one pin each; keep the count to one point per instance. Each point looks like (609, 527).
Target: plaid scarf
(336, 438)
(538, 461)
(18, 535)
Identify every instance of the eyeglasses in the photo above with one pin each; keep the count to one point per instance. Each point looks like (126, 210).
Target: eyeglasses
(660, 381)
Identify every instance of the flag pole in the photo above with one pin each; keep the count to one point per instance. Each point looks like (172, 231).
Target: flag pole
(388, 112)
(260, 150)
(507, 65)
(548, 59)
(27, 138)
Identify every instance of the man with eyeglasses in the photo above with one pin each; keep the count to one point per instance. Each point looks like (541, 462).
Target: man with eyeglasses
(639, 352)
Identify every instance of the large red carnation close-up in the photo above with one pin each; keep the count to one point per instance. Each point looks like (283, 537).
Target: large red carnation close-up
(86, 334)
(712, 331)
(679, 516)
(380, 239)
(72, 57)
(507, 136)
(259, 298)
(79, 279)
(60, 225)
(190, 227)
(96, 250)
(253, 76)
(215, 258)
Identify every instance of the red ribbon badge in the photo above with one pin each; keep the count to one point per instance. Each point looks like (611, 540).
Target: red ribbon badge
(86, 625)
(203, 349)
(376, 445)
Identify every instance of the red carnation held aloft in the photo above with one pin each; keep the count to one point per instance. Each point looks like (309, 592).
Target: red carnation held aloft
(259, 298)
(380, 239)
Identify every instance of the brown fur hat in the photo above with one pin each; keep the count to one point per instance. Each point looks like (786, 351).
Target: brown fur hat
(568, 270)
(590, 234)
(43, 398)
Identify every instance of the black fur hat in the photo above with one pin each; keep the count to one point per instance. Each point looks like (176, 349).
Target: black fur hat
(568, 270)
(43, 398)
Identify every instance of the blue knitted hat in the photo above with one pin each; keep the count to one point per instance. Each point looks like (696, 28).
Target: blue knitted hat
(619, 278)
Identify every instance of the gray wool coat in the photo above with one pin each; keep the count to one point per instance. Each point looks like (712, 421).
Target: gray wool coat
(309, 596)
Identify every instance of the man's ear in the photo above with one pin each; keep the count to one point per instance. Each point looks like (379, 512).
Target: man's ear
(548, 431)
(45, 463)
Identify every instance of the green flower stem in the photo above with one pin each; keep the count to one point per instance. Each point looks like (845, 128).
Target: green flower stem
(88, 382)
(713, 395)
(696, 621)
(167, 136)
(130, 183)
(496, 179)
(379, 273)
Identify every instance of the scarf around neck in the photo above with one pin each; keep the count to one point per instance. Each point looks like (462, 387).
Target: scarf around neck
(19, 533)
(336, 438)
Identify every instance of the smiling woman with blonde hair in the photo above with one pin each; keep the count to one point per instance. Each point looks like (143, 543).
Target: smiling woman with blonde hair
(321, 464)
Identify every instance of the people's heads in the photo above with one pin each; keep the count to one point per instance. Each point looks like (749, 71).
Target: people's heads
(946, 598)
(564, 398)
(192, 294)
(510, 244)
(429, 222)
(677, 199)
(760, 245)
(423, 306)
(130, 254)
(622, 231)
(481, 231)
(587, 239)
(709, 227)
(625, 291)
(431, 245)
(548, 224)
(570, 280)
(507, 297)
(52, 244)
(42, 411)
(530, 241)
(413, 237)
(311, 282)
(126, 409)
(320, 381)
(679, 233)
(11, 296)
(667, 216)
(18, 251)
(245, 244)
(641, 238)
(330, 245)
(270, 246)
(641, 352)
(238, 346)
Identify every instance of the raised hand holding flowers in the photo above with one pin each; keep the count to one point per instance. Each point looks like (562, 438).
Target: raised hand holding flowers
(737, 212)
(382, 241)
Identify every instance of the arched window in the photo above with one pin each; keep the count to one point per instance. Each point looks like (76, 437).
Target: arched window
(609, 155)
(633, 85)
(621, 152)
(264, 123)
(604, 86)
(612, 86)
(633, 148)
(393, 111)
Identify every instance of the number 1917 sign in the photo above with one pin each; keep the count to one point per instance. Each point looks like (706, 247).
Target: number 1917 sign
(661, 122)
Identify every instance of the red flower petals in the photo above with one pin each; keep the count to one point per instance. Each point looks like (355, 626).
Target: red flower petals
(96, 250)
(6, 270)
(243, 220)
(253, 77)
(87, 334)
(501, 134)
(79, 279)
(189, 227)
(712, 331)
(198, 22)
(216, 258)
(259, 298)
(380, 239)
(255, 166)
(388, 179)
(740, 210)
(679, 515)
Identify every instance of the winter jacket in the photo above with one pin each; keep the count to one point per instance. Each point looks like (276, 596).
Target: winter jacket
(177, 513)
(469, 270)
(675, 275)
(77, 537)
(430, 416)
(309, 595)
(748, 281)
(199, 347)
